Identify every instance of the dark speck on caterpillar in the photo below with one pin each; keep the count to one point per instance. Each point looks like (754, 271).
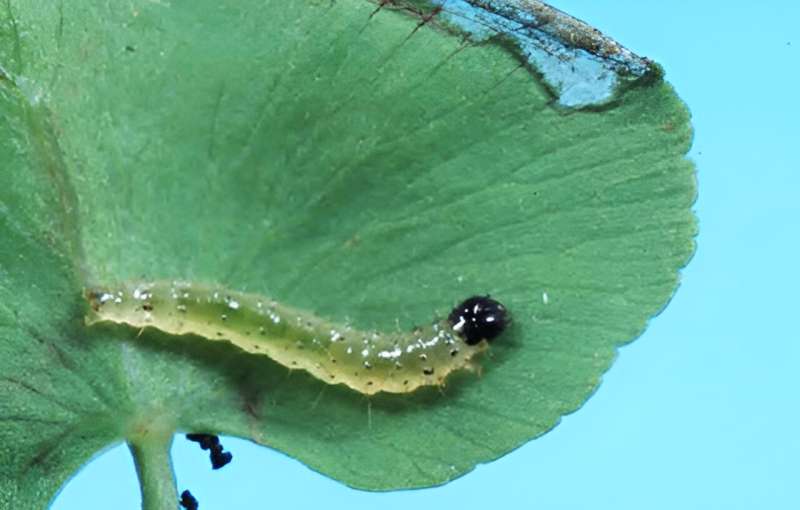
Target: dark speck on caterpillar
(366, 361)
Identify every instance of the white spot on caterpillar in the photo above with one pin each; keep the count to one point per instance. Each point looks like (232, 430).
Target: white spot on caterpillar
(545, 298)
(430, 343)
(233, 304)
(365, 352)
(459, 326)
(141, 294)
(394, 353)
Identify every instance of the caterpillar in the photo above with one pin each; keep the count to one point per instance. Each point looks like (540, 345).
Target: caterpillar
(366, 361)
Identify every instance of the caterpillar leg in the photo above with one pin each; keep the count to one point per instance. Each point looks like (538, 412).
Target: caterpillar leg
(474, 367)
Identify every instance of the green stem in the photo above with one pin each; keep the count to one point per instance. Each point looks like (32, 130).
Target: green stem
(150, 452)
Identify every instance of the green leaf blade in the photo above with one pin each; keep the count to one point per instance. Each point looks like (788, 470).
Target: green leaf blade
(344, 166)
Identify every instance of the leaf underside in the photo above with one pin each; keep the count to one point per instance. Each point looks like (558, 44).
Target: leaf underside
(347, 165)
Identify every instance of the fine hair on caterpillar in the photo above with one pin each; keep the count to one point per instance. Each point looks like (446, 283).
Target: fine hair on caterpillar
(366, 361)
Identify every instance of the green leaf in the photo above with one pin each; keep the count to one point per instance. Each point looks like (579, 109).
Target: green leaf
(53, 415)
(358, 167)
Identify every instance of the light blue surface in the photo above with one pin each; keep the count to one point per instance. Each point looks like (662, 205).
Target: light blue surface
(703, 411)
(579, 78)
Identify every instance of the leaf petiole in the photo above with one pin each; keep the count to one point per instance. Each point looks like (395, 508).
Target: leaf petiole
(150, 450)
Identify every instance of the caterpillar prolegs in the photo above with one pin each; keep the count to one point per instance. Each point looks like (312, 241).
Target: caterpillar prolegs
(366, 361)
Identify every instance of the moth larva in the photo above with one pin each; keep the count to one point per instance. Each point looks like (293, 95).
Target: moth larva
(366, 361)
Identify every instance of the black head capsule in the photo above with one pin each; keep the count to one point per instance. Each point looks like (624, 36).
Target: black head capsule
(478, 318)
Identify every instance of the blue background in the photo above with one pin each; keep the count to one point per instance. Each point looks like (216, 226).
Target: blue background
(701, 412)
